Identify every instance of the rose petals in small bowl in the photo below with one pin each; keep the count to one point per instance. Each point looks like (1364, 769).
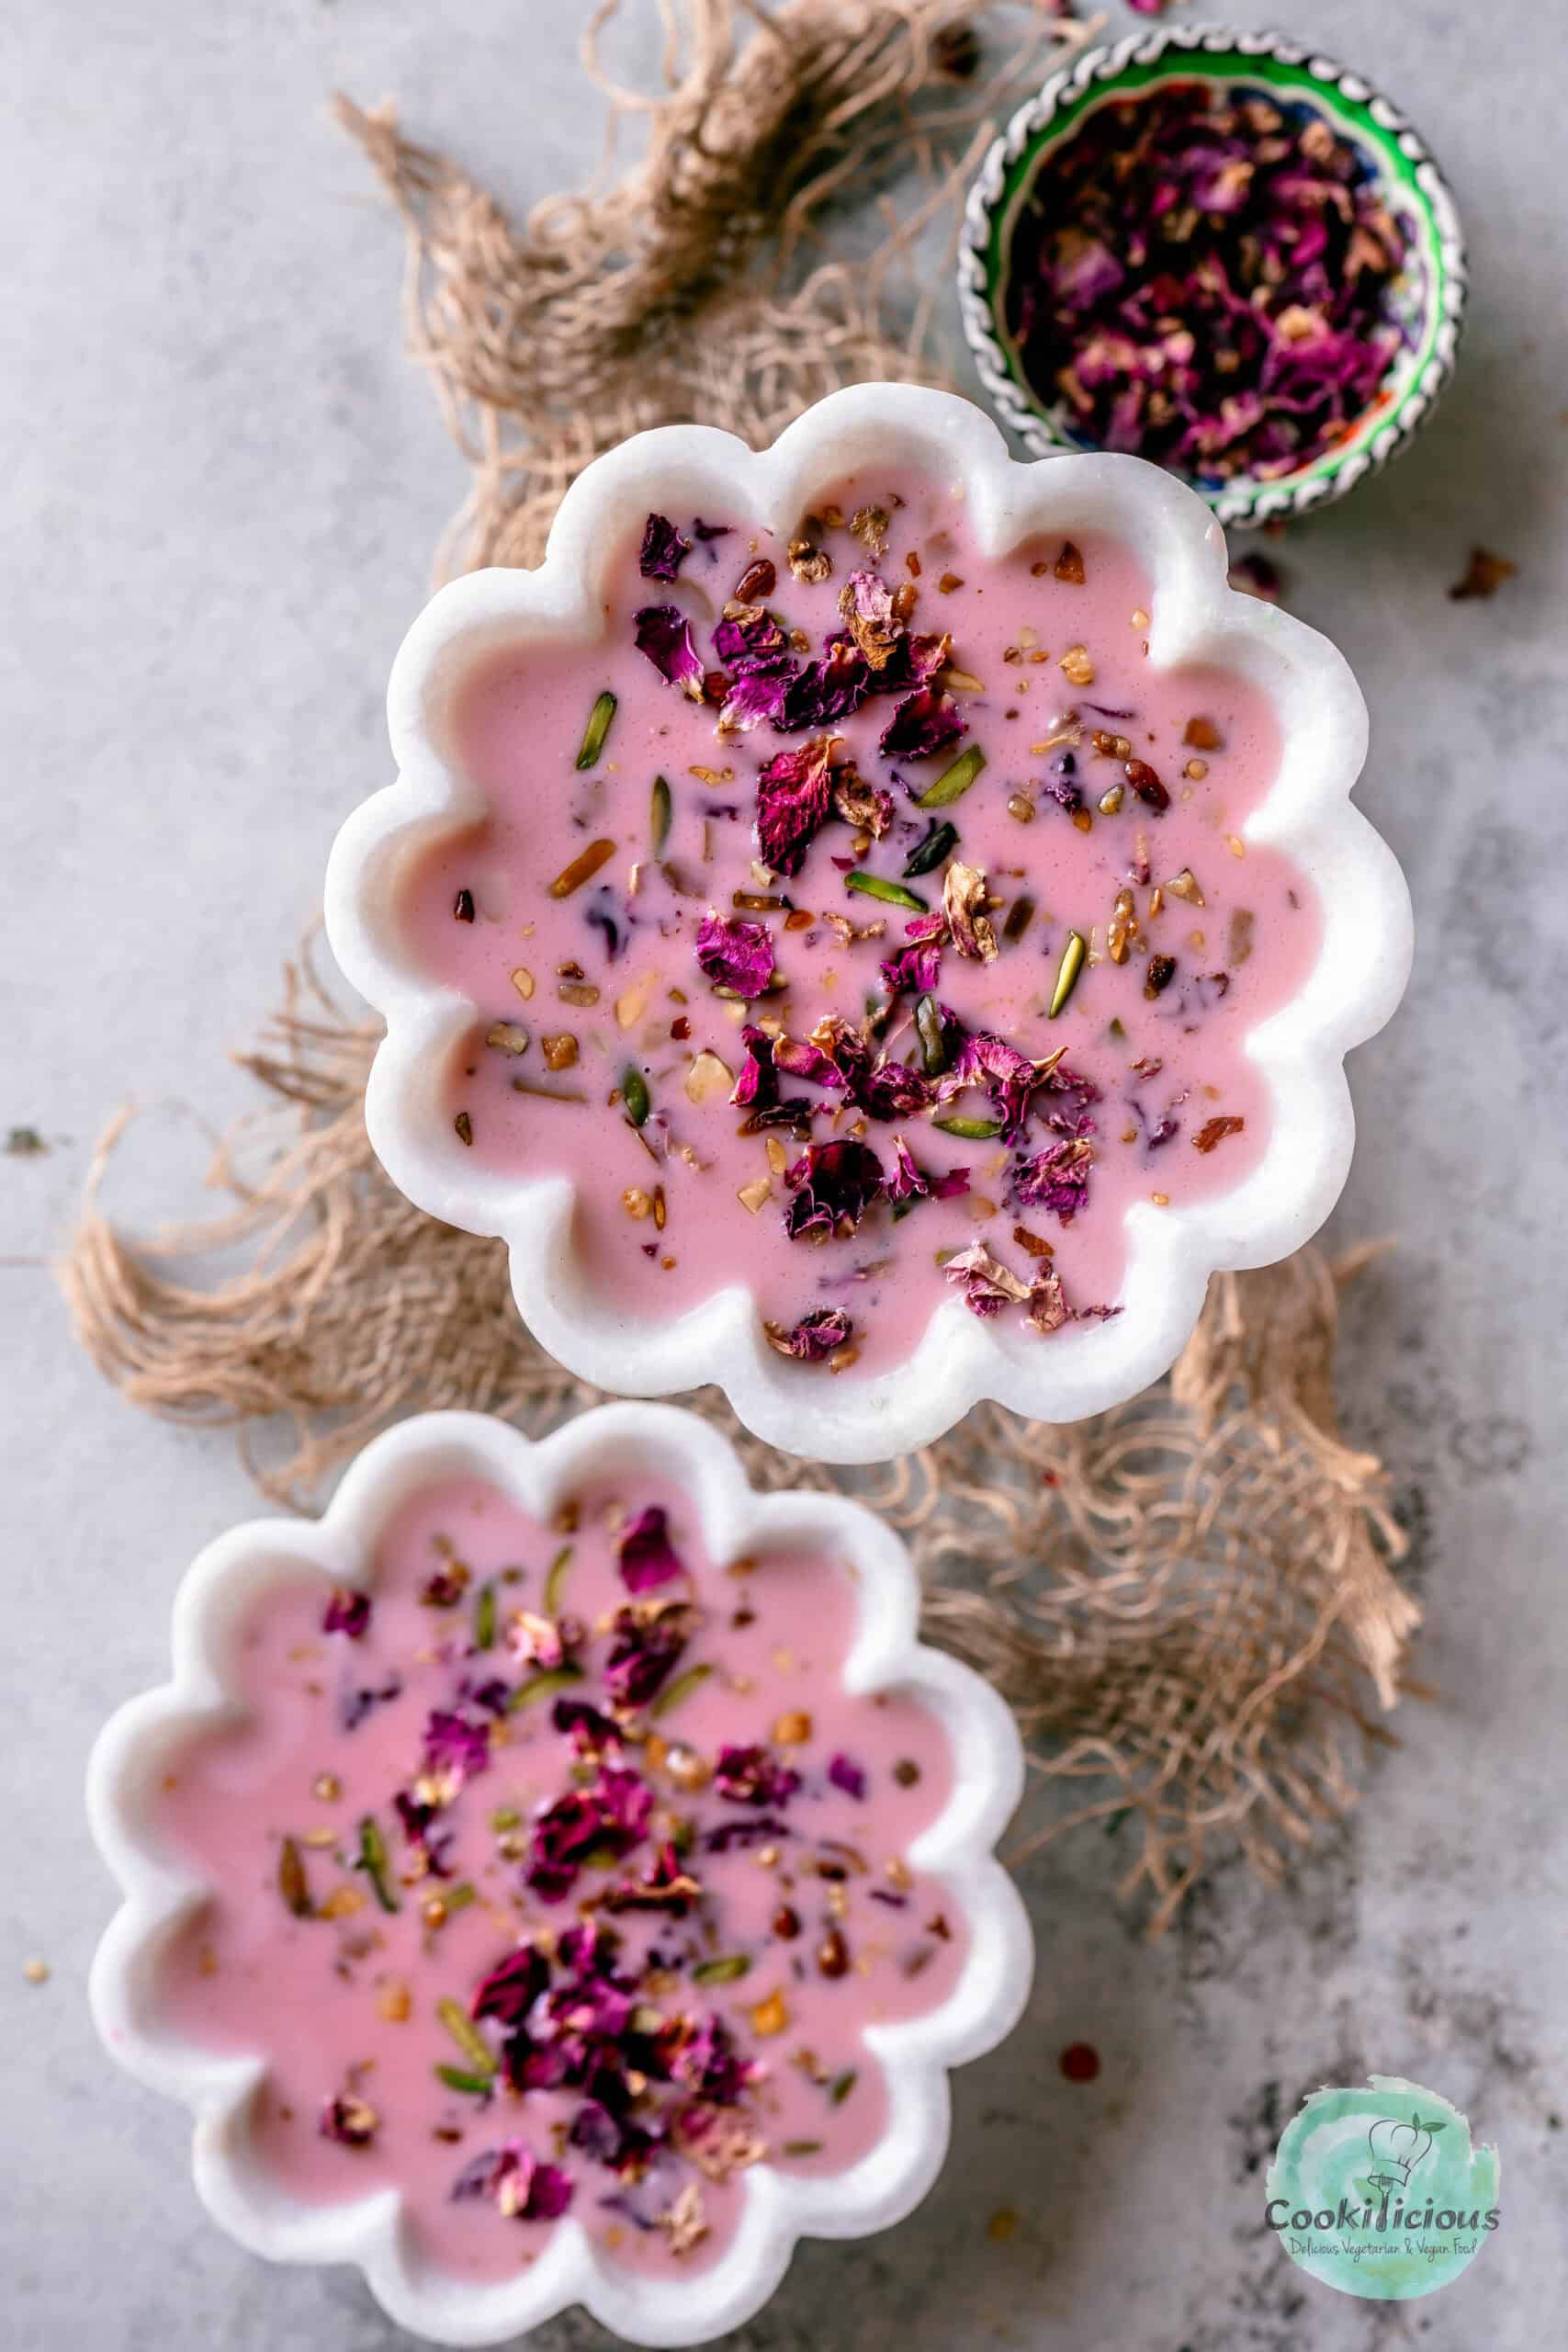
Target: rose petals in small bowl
(1220, 252)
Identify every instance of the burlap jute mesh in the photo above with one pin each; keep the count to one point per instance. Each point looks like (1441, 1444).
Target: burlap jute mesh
(1190, 1602)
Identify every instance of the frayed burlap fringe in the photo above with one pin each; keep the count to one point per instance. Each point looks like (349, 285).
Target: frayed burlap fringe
(692, 287)
(1190, 1602)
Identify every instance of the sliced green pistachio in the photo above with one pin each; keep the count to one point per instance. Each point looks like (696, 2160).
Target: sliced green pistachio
(682, 1687)
(458, 1897)
(1067, 970)
(543, 1686)
(376, 1863)
(583, 867)
(598, 727)
(954, 782)
(555, 1582)
(484, 1618)
(660, 814)
(467, 2036)
(970, 1130)
(801, 2148)
(478, 2085)
(721, 1972)
(928, 1025)
(939, 843)
(892, 894)
(634, 1094)
(841, 2085)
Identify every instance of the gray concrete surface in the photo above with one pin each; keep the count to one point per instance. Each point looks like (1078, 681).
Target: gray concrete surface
(221, 484)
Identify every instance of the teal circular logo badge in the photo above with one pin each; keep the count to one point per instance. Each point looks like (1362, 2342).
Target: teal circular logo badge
(1378, 2192)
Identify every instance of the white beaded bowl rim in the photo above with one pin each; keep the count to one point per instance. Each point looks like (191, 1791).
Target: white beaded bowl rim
(622, 1440)
(1353, 987)
(1437, 282)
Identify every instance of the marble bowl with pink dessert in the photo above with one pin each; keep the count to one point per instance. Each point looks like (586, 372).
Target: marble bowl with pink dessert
(559, 1875)
(870, 924)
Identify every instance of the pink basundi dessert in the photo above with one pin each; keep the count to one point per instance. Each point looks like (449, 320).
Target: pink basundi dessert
(560, 1875)
(894, 935)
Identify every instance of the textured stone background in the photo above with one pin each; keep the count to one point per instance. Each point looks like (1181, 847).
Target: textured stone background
(221, 485)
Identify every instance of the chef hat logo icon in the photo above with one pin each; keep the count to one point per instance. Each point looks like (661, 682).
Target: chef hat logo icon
(1398, 2147)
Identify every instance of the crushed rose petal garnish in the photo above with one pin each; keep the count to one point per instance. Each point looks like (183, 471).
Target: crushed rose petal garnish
(903, 900)
(592, 1912)
(1204, 277)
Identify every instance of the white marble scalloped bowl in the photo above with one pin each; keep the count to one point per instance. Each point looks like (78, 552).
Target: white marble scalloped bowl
(983, 2005)
(1354, 987)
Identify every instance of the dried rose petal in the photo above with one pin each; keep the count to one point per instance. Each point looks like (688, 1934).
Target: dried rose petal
(642, 1651)
(518, 2182)
(833, 1184)
(1008, 1076)
(847, 1776)
(827, 689)
(646, 1557)
(353, 2123)
(965, 899)
(664, 549)
(512, 1986)
(664, 634)
(988, 1285)
(1056, 1179)
(753, 1776)
(918, 965)
(866, 602)
(793, 794)
(1204, 278)
(454, 1744)
(860, 803)
(911, 1183)
(811, 1341)
(925, 721)
(347, 1612)
(735, 954)
(749, 640)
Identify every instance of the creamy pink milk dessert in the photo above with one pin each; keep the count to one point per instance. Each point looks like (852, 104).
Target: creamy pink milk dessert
(557, 1873)
(860, 920)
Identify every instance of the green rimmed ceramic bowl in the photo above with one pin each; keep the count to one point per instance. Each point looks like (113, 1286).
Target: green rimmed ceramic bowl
(1428, 298)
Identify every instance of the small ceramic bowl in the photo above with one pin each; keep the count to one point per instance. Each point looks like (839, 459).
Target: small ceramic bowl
(1359, 978)
(1428, 298)
(985, 2003)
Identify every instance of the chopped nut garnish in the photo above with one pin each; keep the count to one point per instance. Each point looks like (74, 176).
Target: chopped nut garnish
(507, 1036)
(560, 1051)
(1020, 808)
(327, 1787)
(394, 2002)
(1122, 927)
(1069, 566)
(36, 1971)
(756, 1194)
(1201, 734)
(1215, 1131)
(523, 982)
(793, 1730)
(810, 565)
(869, 525)
(463, 1127)
(1185, 886)
(636, 1203)
(770, 2016)
(707, 1077)
(1110, 801)
(1077, 667)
